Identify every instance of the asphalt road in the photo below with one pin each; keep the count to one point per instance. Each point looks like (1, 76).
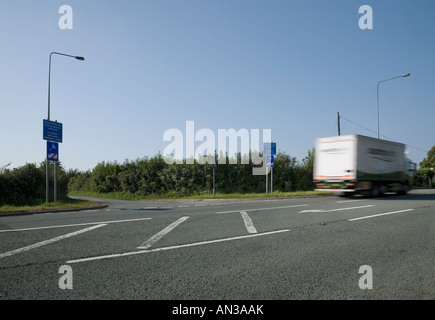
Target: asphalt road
(283, 249)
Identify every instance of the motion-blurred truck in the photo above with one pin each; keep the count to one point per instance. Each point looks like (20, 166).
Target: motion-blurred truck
(355, 164)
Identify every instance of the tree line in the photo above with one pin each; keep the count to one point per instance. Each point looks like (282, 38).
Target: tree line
(147, 176)
(153, 176)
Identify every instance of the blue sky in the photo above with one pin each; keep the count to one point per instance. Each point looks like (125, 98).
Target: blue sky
(150, 66)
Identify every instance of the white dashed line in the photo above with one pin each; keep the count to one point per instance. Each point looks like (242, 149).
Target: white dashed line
(380, 214)
(160, 234)
(347, 201)
(177, 247)
(74, 225)
(43, 243)
(248, 222)
(262, 209)
(339, 209)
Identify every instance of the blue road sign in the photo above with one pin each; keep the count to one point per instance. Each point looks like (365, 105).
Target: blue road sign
(52, 151)
(269, 161)
(270, 148)
(52, 131)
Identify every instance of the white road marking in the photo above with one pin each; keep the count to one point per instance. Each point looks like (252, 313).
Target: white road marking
(176, 247)
(74, 225)
(346, 201)
(380, 214)
(160, 234)
(261, 209)
(248, 222)
(43, 243)
(340, 209)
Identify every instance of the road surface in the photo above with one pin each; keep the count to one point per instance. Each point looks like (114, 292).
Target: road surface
(276, 249)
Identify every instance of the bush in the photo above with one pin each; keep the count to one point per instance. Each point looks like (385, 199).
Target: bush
(422, 176)
(152, 176)
(25, 185)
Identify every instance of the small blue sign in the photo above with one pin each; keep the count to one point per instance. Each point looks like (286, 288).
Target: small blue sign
(270, 149)
(52, 151)
(52, 131)
(269, 161)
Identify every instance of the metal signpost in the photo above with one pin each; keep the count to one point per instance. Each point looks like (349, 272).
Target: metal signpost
(213, 165)
(269, 153)
(52, 132)
(270, 164)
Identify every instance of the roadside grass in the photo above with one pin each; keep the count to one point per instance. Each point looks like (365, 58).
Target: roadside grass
(173, 196)
(69, 204)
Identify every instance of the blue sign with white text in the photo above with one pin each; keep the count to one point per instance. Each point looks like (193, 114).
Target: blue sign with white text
(52, 131)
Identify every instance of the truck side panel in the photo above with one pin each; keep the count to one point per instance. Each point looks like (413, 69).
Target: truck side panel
(335, 159)
(380, 160)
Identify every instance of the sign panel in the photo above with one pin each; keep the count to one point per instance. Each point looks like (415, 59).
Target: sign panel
(270, 149)
(52, 131)
(269, 161)
(52, 151)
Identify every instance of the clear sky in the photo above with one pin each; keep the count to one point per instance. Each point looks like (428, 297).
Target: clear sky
(150, 66)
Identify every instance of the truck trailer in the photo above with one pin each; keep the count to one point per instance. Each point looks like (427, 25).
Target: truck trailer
(356, 164)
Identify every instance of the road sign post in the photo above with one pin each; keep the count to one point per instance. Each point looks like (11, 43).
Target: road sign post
(53, 155)
(270, 164)
(269, 153)
(52, 131)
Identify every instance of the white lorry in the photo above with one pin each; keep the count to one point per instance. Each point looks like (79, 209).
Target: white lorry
(352, 164)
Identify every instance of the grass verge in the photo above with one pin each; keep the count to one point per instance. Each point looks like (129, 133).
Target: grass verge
(69, 204)
(135, 197)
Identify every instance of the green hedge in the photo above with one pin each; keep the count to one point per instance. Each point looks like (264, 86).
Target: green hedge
(25, 185)
(152, 176)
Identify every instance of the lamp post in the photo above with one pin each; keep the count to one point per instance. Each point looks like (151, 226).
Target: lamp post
(47, 184)
(402, 76)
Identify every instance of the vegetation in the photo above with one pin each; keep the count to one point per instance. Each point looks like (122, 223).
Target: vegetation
(26, 185)
(426, 170)
(152, 178)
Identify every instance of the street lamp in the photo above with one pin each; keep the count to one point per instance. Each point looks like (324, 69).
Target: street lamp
(49, 73)
(402, 76)
(47, 185)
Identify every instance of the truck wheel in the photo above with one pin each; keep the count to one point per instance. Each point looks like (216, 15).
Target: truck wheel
(375, 192)
(405, 189)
